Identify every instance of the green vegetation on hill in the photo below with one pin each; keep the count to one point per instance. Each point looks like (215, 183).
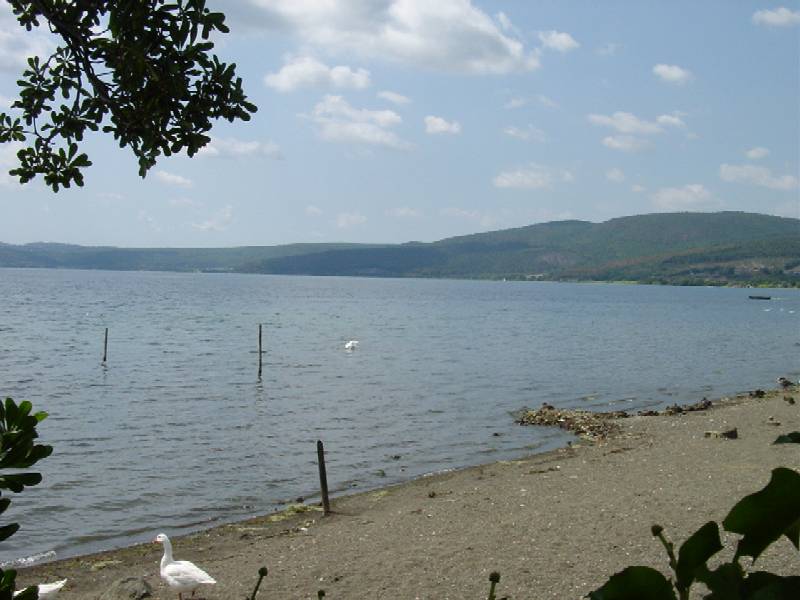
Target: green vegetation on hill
(727, 248)
(64, 256)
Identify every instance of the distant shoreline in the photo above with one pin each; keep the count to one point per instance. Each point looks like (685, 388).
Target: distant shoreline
(722, 248)
(698, 283)
(559, 522)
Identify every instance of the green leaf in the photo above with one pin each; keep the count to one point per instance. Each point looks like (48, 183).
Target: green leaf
(635, 583)
(16, 483)
(725, 583)
(788, 438)
(762, 585)
(768, 514)
(6, 531)
(30, 593)
(695, 552)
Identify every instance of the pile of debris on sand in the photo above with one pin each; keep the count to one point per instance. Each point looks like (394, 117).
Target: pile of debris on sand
(584, 423)
(596, 425)
(600, 425)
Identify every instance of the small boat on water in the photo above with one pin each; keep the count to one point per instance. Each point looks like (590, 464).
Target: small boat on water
(760, 297)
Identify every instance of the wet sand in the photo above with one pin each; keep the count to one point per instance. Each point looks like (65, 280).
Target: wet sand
(555, 525)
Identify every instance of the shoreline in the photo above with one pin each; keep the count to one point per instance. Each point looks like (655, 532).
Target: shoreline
(439, 536)
(756, 285)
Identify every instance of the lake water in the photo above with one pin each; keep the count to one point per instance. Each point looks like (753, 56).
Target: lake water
(177, 433)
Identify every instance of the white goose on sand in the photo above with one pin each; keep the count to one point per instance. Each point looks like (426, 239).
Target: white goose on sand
(180, 575)
(47, 590)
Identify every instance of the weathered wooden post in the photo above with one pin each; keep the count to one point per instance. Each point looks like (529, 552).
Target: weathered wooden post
(323, 479)
(105, 347)
(259, 350)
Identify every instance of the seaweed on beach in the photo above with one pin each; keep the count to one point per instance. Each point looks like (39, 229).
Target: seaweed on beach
(586, 424)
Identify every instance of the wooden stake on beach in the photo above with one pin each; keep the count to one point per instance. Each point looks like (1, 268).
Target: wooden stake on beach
(259, 350)
(105, 347)
(323, 479)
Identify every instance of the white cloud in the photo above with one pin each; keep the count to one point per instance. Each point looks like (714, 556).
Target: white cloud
(529, 134)
(337, 121)
(403, 212)
(672, 74)
(638, 189)
(338, 107)
(345, 220)
(689, 197)
(757, 152)
(615, 175)
(670, 121)
(5, 103)
(506, 24)
(532, 177)
(756, 175)
(557, 40)
(313, 211)
(439, 125)
(307, 71)
(173, 179)
(234, 148)
(218, 222)
(625, 122)
(779, 17)
(394, 97)
(446, 35)
(625, 143)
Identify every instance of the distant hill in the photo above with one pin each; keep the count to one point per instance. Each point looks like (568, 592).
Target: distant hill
(679, 248)
(682, 248)
(65, 256)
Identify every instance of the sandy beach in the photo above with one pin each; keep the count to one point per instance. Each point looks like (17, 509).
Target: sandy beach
(555, 525)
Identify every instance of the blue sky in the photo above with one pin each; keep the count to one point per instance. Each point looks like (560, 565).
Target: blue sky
(398, 120)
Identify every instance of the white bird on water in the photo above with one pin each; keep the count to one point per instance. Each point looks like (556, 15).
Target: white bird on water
(47, 590)
(181, 575)
(351, 345)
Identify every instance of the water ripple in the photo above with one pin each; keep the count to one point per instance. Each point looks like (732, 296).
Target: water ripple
(176, 432)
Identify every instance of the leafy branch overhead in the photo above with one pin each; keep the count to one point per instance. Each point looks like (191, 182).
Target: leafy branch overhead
(140, 70)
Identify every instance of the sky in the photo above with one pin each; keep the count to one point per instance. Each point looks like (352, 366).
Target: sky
(388, 121)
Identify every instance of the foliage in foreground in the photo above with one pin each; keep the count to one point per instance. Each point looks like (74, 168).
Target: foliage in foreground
(18, 451)
(141, 70)
(760, 518)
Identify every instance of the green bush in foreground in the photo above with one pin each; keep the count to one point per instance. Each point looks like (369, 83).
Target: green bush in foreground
(760, 518)
(18, 451)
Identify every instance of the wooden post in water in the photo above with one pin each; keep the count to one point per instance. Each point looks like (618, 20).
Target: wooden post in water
(259, 350)
(323, 479)
(105, 347)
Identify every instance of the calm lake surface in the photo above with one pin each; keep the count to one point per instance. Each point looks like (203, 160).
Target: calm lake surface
(176, 432)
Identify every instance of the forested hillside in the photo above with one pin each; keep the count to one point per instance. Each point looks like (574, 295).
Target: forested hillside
(679, 248)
